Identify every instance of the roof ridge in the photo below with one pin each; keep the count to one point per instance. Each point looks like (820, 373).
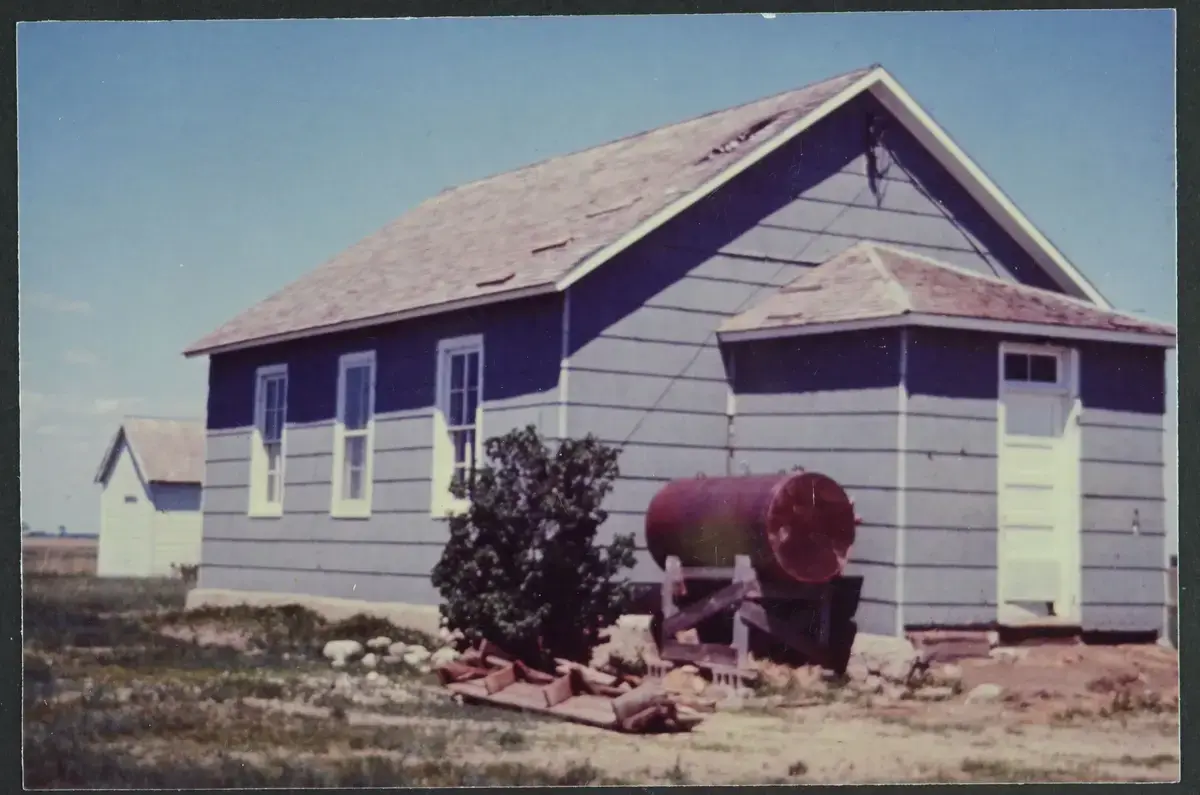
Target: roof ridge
(160, 418)
(860, 72)
(894, 285)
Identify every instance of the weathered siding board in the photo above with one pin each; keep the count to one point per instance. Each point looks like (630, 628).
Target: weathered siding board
(308, 551)
(830, 404)
(951, 475)
(815, 197)
(1123, 391)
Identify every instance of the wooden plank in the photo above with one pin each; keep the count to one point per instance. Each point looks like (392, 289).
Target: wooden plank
(629, 704)
(560, 689)
(498, 680)
(693, 614)
(756, 616)
(699, 653)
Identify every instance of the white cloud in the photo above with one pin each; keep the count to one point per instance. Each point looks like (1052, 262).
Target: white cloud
(81, 357)
(105, 407)
(56, 303)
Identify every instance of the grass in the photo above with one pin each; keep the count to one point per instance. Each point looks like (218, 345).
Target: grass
(118, 704)
(1001, 771)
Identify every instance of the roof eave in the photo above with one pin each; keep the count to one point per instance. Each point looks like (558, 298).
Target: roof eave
(1050, 330)
(202, 349)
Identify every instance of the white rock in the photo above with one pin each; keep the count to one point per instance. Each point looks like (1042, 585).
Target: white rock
(415, 655)
(1009, 654)
(379, 643)
(389, 659)
(985, 693)
(370, 660)
(339, 663)
(689, 669)
(397, 649)
(443, 656)
(373, 676)
(342, 650)
(883, 655)
(446, 635)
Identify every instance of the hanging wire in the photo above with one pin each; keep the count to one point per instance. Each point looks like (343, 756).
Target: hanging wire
(795, 259)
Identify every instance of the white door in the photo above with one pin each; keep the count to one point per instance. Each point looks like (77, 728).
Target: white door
(1038, 494)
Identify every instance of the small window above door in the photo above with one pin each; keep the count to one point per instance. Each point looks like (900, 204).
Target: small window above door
(1031, 368)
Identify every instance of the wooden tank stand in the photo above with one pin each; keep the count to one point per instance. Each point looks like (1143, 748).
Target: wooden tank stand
(730, 664)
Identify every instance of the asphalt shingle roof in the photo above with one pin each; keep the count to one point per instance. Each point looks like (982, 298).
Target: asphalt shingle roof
(167, 451)
(522, 229)
(871, 281)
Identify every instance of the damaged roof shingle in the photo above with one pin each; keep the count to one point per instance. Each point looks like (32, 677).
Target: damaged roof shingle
(461, 244)
(872, 281)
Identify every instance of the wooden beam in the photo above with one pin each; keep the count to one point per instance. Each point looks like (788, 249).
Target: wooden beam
(498, 680)
(560, 689)
(693, 614)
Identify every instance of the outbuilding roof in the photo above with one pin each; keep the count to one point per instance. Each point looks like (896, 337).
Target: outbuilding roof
(539, 228)
(872, 284)
(165, 450)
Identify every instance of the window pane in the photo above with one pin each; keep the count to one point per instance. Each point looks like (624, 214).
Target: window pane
(356, 449)
(473, 370)
(358, 388)
(472, 404)
(271, 386)
(354, 467)
(274, 452)
(462, 447)
(1043, 369)
(457, 362)
(1016, 367)
(457, 417)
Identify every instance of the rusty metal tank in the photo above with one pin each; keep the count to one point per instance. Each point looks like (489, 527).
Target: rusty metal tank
(795, 527)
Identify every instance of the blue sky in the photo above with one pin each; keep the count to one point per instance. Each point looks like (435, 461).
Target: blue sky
(172, 174)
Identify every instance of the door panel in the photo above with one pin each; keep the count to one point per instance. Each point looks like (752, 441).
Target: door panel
(1038, 496)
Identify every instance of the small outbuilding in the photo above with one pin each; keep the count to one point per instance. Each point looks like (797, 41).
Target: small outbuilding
(151, 478)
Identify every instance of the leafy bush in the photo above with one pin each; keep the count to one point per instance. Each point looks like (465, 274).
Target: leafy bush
(522, 567)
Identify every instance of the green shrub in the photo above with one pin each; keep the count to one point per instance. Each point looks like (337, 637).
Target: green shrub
(522, 567)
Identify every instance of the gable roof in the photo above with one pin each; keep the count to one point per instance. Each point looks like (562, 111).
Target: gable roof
(165, 450)
(872, 284)
(541, 228)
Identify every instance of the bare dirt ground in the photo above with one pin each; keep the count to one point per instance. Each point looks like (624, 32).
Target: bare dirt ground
(123, 690)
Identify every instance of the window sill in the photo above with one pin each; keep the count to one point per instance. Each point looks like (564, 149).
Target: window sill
(351, 511)
(265, 512)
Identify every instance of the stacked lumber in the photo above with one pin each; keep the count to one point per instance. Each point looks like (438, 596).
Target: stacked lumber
(572, 692)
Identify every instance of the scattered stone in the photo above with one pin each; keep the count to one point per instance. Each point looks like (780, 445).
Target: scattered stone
(342, 650)
(379, 643)
(339, 663)
(397, 650)
(1009, 654)
(390, 659)
(698, 685)
(689, 669)
(415, 655)
(123, 695)
(985, 693)
(373, 676)
(892, 658)
(443, 656)
(370, 661)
